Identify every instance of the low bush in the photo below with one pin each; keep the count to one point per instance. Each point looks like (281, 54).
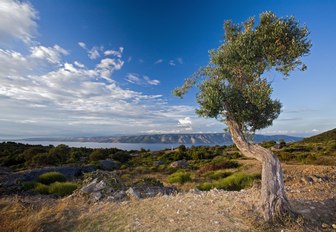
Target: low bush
(235, 182)
(41, 188)
(216, 175)
(62, 188)
(179, 177)
(225, 164)
(51, 177)
(28, 185)
(205, 186)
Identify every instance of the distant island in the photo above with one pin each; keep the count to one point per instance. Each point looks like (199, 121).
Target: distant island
(196, 138)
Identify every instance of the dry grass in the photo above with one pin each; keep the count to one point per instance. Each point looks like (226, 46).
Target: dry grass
(207, 211)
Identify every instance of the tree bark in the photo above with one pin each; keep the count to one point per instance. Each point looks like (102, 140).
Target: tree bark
(274, 202)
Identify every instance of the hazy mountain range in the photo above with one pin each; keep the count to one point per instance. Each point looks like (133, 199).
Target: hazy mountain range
(206, 138)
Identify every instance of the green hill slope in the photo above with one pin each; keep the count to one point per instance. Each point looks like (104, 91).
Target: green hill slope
(324, 137)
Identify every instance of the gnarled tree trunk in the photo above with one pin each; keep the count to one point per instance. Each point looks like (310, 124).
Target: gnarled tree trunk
(275, 204)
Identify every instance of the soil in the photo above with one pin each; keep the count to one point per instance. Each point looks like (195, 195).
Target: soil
(311, 190)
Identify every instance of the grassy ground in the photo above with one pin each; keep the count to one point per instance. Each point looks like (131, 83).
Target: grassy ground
(206, 211)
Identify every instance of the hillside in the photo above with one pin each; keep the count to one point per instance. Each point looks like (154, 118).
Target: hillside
(199, 139)
(324, 137)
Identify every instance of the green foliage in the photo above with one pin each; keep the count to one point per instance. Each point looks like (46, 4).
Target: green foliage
(205, 186)
(148, 181)
(28, 185)
(268, 144)
(51, 177)
(217, 165)
(62, 188)
(235, 182)
(59, 154)
(233, 87)
(216, 175)
(41, 188)
(325, 137)
(98, 154)
(121, 156)
(179, 177)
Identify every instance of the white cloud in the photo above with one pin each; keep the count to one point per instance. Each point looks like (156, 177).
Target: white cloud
(107, 66)
(315, 130)
(51, 54)
(180, 60)
(93, 53)
(17, 21)
(172, 63)
(82, 45)
(151, 82)
(114, 53)
(185, 121)
(159, 61)
(78, 64)
(133, 78)
(42, 94)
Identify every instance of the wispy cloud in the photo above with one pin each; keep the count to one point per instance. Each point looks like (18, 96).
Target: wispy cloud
(180, 60)
(51, 54)
(151, 82)
(172, 63)
(135, 78)
(159, 61)
(117, 53)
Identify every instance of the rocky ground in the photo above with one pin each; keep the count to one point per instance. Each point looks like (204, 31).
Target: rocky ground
(311, 190)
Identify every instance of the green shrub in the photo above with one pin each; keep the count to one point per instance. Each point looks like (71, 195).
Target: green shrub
(97, 154)
(62, 188)
(216, 175)
(51, 177)
(217, 165)
(179, 177)
(206, 186)
(41, 188)
(28, 185)
(235, 182)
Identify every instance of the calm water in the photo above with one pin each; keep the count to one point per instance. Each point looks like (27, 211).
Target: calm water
(123, 146)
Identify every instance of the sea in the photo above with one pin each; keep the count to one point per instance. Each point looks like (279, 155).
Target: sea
(123, 146)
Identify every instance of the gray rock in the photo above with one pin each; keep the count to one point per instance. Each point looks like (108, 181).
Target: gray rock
(96, 196)
(100, 186)
(179, 164)
(89, 188)
(133, 194)
(325, 225)
(307, 180)
(108, 164)
(119, 195)
(158, 163)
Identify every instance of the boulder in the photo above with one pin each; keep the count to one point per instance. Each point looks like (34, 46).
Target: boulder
(133, 194)
(179, 164)
(89, 188)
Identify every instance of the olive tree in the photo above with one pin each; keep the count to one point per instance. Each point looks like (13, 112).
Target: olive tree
(234, 88)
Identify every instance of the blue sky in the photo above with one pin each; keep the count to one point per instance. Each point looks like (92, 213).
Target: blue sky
(89, 68)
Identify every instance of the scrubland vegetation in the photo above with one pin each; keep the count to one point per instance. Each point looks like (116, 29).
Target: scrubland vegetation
(200, 167)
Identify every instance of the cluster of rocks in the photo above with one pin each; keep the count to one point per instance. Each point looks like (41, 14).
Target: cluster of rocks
(104, 185)
(314, 179)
